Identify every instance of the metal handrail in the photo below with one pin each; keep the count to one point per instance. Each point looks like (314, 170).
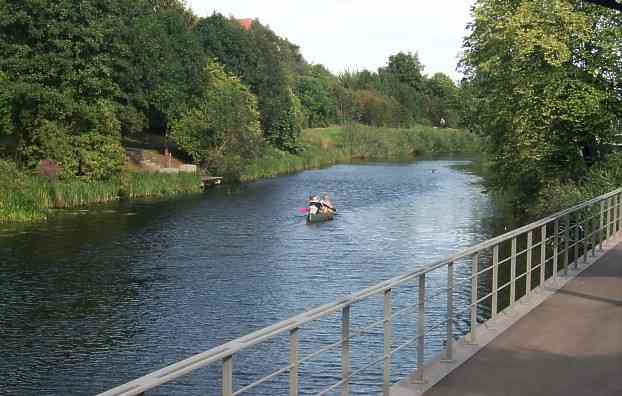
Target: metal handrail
(602, 231)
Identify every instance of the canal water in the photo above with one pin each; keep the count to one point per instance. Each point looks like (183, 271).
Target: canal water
(94, 298)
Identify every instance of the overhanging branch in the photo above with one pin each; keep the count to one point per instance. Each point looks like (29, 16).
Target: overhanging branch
(613, 4)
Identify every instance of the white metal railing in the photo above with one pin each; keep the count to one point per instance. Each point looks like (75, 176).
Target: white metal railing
(552, 244)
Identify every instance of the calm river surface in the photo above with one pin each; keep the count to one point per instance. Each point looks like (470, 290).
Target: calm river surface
(93, 299)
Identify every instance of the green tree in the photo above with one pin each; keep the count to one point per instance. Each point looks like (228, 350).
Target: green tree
(58, 58)
(544, 83)
(405, 68)
(375, 109)
(220, 129)
(6, 107)
(163, 67)
(315, 91)
(267, 64)
(403, 80)
(444, 100)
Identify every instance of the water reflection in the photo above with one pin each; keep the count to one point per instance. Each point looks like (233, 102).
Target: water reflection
(93, 299)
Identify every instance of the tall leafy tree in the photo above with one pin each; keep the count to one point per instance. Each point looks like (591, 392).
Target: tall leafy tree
(163, 66)
(267, 64)
(405, 68)
(544, 83)
(444, 100)
(219, 129)
(57, 56)
(315, 88)
(403, 80)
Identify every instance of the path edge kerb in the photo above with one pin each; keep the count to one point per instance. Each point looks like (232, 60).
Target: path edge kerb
(438, 368)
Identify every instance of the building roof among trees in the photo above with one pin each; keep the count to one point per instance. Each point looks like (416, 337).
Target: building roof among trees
(246, 23)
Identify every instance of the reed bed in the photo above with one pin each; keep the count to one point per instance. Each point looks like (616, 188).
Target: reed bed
(138, 185)
(26, 197)
(343, 144)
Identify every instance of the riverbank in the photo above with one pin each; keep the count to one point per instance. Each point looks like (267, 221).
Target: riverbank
(25, 197)
(139, 263)
(558, 194)
(344, 144)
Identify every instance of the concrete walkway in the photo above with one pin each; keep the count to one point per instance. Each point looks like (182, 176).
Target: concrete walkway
(571, 344)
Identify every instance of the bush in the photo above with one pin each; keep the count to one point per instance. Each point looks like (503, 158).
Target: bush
(99, 157)
(50, 140)
(375, 109)
(557, 194)
(23, 197)
(223, 123)
(6, 107)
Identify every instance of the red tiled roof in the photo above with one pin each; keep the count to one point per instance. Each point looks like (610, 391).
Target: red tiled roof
(246, 23)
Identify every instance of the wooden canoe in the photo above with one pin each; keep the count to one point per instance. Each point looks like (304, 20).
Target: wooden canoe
(320, 217)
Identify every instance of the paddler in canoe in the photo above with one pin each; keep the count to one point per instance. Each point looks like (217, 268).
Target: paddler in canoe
(320, 209)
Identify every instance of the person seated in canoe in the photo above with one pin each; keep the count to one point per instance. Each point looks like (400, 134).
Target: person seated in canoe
(315, 205)
(327, 205)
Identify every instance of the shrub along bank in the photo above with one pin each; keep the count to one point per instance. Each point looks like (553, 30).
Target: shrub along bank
(25, 196)
(557, 195)
(328, 146)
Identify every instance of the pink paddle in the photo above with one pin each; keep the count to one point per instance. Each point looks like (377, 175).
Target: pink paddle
(303, 210)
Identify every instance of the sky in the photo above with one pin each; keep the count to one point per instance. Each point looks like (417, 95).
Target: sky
(360, 34)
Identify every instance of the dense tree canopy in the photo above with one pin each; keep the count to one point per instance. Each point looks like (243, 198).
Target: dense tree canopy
(315, 88)
(222, 124)
(265, 62)
(76, 78)
(544, 85)
(408, 95)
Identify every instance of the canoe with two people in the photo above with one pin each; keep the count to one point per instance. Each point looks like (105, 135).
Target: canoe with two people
(320, 209)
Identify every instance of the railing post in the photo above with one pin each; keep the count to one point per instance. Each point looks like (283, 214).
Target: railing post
(566, 244)
(614, 215)
(449, 352)
(474, 288)
(495, 280)
(513, 272)
(616, 207)
(577, 238)
(614, 218)
(600, 229)
(585, 240)
(607, 231)
(594, 233)
(529, 257)
(345, 350)
(611, 212)
(543, 256)
(421, 331)
(555, 249)
(227, 376)
(386, 383)
(617, 214)
(293, 361)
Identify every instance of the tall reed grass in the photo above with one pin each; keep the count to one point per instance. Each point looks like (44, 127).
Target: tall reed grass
(556, 194)
(26, 197)
(328, 146)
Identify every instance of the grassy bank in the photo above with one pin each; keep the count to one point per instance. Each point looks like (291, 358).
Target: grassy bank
(557, 195)
(329, 146)
(26, 198)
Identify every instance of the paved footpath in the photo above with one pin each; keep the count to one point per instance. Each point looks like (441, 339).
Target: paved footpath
(569, 345)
